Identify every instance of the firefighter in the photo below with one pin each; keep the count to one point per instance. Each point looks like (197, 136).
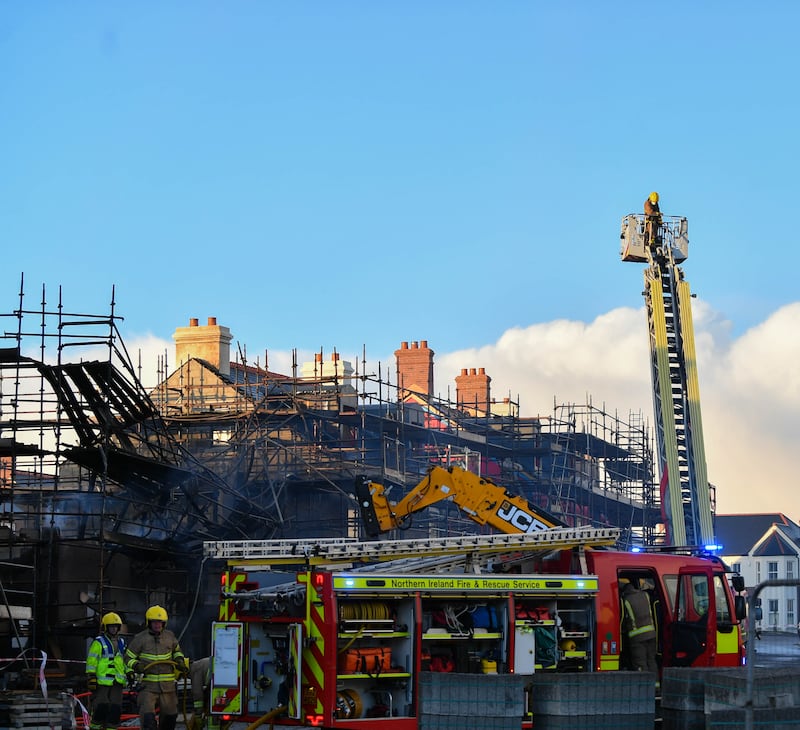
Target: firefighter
(638, 629)
(200, 673)
(105, 673)
(652, 219)
(156, 655)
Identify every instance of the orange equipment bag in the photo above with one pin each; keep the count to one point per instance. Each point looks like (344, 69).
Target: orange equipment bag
(366, 660)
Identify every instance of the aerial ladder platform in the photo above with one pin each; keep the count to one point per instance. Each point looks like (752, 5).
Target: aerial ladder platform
(686, 496)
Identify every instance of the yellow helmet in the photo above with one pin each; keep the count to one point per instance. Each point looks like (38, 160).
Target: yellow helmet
(111, 619)
(156, 613)
(653, 197)
(568, 645)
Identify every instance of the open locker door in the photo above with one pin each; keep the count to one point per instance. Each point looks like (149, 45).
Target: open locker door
(692, 636)
(294, 679)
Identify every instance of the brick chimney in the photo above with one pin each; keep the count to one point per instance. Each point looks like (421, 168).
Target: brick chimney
(415, 367)
(211, 342)
(473, 389)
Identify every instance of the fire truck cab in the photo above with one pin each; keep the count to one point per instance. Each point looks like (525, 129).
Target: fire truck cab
(337, 642)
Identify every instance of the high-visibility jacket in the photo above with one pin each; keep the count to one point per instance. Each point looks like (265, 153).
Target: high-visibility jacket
(156, 657)
(105, 659)
(637, 619)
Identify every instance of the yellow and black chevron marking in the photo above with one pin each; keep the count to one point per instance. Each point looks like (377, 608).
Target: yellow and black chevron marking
(312, 662)
(227, 607)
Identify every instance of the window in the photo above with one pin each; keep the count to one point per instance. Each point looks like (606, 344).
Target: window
(790, 611)
(721, 600)
(693, 599)
(758, 572)
(773, 612)
(737, 568)
(772, 570)
(790, 569)
(671, 583)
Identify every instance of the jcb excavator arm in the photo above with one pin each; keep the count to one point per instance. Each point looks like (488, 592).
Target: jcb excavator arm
(481, 499)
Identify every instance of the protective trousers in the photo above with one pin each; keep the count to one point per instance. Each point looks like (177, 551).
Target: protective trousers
(167, 702)
(643, 655)
(106, 706)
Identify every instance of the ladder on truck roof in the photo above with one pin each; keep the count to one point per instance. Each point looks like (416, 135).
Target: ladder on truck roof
(332, 551)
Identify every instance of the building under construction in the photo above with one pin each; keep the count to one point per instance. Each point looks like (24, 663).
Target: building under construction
(107, 490)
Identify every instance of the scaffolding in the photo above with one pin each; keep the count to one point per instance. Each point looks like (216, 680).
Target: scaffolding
(134, 481)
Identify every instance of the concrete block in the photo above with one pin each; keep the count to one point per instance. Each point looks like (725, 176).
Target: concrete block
(684, 688)
(682, 719)
(596, 693)
(445, 722)
(772, 688)
(472, 695)
(764, 718)
(594, 722)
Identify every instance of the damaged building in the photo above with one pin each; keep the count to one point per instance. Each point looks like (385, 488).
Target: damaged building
(108, 489)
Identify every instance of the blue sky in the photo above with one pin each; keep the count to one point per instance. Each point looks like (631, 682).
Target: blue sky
(355, 174)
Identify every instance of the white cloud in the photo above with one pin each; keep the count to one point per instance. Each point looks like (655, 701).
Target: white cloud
(750, 394)
(749, 389)
(606, 360)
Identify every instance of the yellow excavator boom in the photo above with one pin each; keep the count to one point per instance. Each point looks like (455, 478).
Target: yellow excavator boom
(479, 498)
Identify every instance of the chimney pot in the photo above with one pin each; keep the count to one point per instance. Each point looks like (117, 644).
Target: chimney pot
(472, 371)
(212, 321)
(481, 371)
(463, 371)
(193, 322)
(423, 344)
(415, 345)
(403, 345)
(318, 357)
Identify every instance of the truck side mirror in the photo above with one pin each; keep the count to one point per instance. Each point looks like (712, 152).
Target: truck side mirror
(737, 581)
(759, 613)
(740, 607)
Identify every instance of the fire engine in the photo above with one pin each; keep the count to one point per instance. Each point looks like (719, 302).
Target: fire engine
(343, 640)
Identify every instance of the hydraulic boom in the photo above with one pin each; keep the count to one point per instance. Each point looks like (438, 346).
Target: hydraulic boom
(481, 499)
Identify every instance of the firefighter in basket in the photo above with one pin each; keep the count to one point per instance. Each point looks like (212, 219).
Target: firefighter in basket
(105, 673)
(652, 218)
(155, 655)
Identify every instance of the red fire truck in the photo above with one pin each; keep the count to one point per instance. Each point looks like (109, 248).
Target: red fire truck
(347, 636)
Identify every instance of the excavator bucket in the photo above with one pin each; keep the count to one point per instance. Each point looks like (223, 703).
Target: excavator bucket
(371, 500)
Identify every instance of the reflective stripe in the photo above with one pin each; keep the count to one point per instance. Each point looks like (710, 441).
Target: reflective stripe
(728, 643)
(642, 630)
(631, 615)
(157, 655)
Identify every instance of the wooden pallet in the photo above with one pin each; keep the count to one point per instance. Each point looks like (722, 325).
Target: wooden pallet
(33, 711)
